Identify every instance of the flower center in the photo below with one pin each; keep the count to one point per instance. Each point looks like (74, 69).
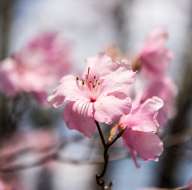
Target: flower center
(91, 84)
(92, 99)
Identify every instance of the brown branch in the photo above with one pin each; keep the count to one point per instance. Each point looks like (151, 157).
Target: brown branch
(100, 134)
(106, 147)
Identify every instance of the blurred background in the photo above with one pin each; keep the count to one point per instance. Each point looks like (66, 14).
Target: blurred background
(89, 26)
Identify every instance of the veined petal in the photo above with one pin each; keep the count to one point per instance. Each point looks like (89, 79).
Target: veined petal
(151, 105)
(74, 120)
(109, 108)
(139, 122)
(100, 65)
(121, 75)
(143, 118)
(165, 89)
(150, 109)
(118, 81)
(147, 145)
(67, 90)
(84, 108)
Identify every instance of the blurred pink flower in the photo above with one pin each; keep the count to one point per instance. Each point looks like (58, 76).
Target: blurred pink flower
(189, 185)
(99, 95)
(141, 127)
(104, 63)
(11, 184)
(154, 56)
(37, 67)
(2, 186)
(153, 61)
(165, 89)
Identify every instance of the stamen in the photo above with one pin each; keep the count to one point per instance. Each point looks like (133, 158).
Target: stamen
(77, 81)
(90, 83)
(88, 71)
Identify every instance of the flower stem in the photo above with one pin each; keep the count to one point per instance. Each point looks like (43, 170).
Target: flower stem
(100, 134)
(106, 147)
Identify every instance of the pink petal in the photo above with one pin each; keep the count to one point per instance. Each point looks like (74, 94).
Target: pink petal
(154, 56)
(100, 65)
(151, 105)
(147, 145)
(165, 89)
(109, 108)
(139, 122)
(37, 67)
(74, 120)
(67, 90)
(118, 81)
(158, 35)
(155, 61)
(84, 108)
(121, 75)
(133, 154)
(143, 118)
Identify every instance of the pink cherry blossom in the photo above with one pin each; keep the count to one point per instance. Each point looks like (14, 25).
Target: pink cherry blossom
(103, 63)
(94, 96)
(154, 56)
(165, 89)
(141, 125)
(36, 67)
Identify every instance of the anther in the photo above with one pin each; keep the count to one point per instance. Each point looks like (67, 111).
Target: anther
(88, 71)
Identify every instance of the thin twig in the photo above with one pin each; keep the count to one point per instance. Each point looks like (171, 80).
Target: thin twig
(117, 137)
(106, 146)
(100, 134)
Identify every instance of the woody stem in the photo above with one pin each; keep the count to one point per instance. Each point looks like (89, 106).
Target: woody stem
(106, 147)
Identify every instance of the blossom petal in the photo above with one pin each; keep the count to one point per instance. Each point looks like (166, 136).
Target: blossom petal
(67, 90)
(154, 56)
(118, 81)
(159, 36)
(143, 118)
(151, 105)
(147, 145)
(84, 108)
(165, 89)
(139, 122)
(121, 75)
(74, 120)
(109, 108)
(100, 65)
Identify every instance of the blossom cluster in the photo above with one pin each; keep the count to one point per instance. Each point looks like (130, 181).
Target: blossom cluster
(37, 67)
(130, 93)
(134, 94)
